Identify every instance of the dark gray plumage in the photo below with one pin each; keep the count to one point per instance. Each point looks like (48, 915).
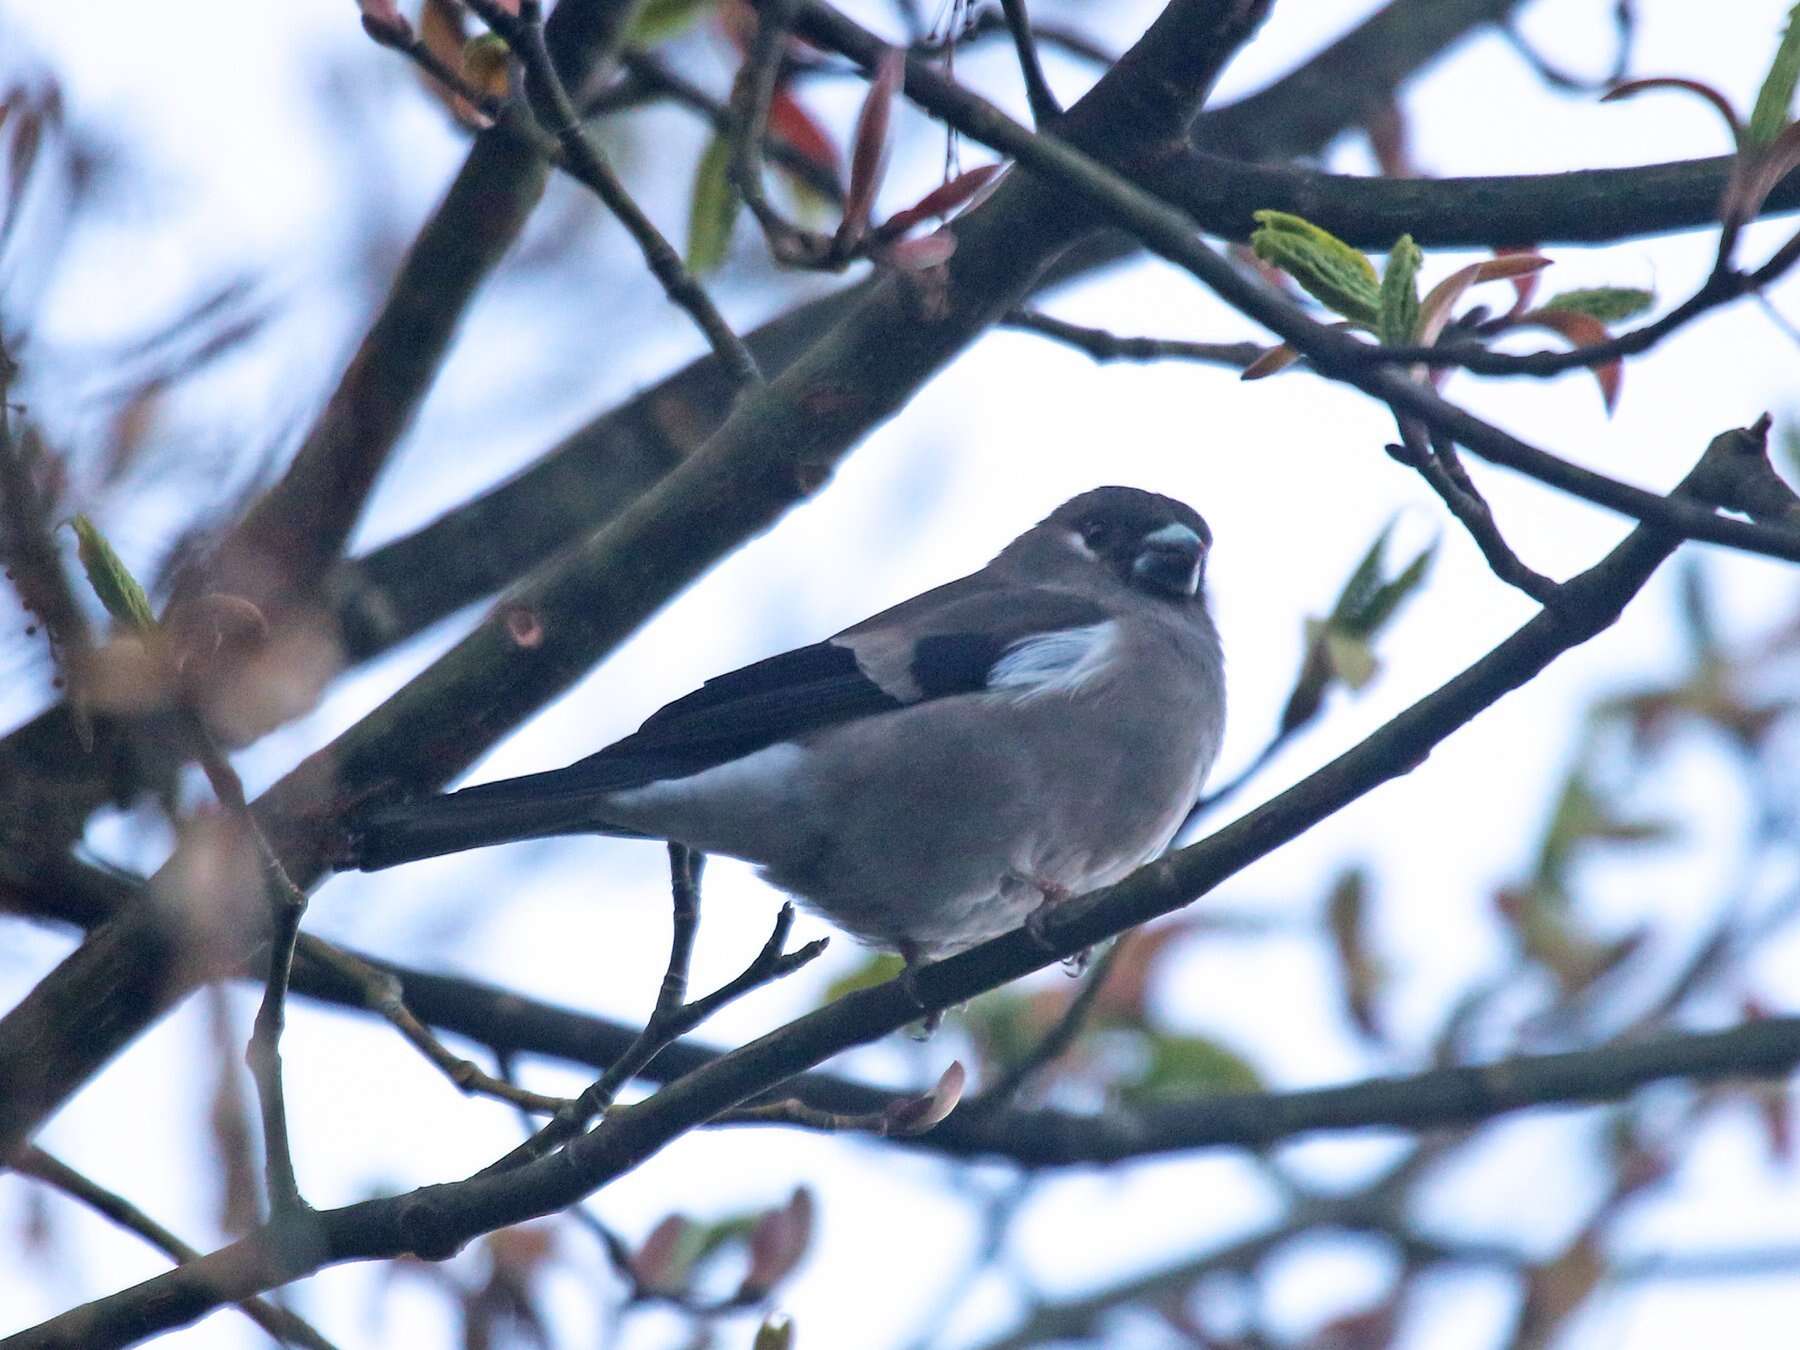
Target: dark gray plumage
(929, 777)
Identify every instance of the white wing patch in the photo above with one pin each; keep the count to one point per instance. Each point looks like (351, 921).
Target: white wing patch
(1064, 662)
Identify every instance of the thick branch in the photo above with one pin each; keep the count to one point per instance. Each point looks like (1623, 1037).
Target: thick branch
(285, 1327)
(1047, 1137)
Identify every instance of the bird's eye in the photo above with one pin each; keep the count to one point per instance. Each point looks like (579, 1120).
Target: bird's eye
(1095, 532)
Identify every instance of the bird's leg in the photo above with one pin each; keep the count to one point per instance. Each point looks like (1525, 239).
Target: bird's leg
(909, 981)
(1037, 923)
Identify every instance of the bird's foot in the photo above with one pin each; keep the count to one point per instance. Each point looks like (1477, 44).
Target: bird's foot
(923, 1029)
(1037, 923)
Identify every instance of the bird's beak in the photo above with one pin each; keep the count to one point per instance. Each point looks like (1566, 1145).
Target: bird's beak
(1170, 559)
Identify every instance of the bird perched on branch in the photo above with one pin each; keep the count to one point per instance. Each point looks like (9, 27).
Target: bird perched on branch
(934, 775)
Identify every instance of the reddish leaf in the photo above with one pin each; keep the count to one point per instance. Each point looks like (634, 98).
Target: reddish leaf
(1281, 357)
(940, 201)
(1347, 919)
(1434, 309)
(382, 21)
(1386, 126)
(869, 150)
(521, 1250)
(1524, 286)
(1371, 1328)
(737, 21)
(777, 1242)
(1759, 172)
(655, 1264)
(793, 124)
(917, 255)
(1245, 256)
(915, 1115)
(1270, 362)
(1581, 330)
(1632, 88)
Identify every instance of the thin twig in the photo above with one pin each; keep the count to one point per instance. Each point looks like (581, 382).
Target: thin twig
(287, 905)
(899, 1117)
(750, 99)
(1060, 1037)
(1105, 346)
(1446, 476)
(551, 104)
(1625, 23)
(672, 1017)
(1038, 93)
(659, 77)
(988, 22)
(382, 993)
(32, 1161)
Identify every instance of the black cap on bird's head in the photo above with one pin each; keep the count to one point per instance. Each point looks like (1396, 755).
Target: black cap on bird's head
(1151, 542)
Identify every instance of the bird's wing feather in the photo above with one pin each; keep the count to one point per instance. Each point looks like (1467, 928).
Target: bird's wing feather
(907, 655)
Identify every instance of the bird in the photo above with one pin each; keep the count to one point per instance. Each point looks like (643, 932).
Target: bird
(931, 777)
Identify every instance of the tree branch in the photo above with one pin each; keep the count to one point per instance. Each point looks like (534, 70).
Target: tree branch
(1046, 1137)
(435, 1221)
(285, 1327)
(1104, 346)
(1038, 93)
(555, 112)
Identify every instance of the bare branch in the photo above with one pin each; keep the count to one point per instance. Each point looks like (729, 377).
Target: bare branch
(287, 1328)
(383, 992)
(1105, 346)
(672, 1017)
(1059, 1038)
(1440, 468)
(1038, 93)
(555, 111)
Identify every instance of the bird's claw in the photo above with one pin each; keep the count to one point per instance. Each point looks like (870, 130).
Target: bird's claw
(909, 984)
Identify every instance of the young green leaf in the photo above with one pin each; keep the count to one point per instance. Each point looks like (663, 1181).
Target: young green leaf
(659, 20)
(1188, 1066)
(875, 969)
(1352, 658)
(714, 208)
(1770, 114)
(1364, 581)
(1400, 293)
(111, 579)
(1386, 600)
(1336, 275)
(1609, 304)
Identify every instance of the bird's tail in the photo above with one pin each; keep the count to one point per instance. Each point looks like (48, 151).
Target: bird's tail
(531, 807)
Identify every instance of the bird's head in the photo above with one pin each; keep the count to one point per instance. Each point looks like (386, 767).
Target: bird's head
(1151, 543)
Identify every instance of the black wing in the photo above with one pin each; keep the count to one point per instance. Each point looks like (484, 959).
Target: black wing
(938, 645)
(736, 714)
